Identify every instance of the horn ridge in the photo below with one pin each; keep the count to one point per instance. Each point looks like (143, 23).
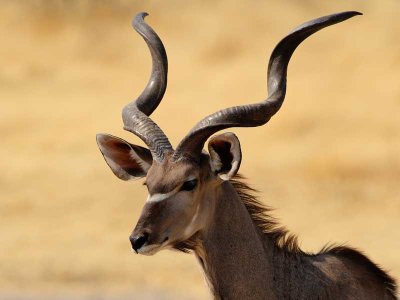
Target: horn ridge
(135, 115)
(258, 114)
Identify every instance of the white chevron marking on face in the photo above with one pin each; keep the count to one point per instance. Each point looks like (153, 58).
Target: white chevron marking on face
(160, 197)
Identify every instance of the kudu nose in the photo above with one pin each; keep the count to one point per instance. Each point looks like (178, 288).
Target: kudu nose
(138, 241)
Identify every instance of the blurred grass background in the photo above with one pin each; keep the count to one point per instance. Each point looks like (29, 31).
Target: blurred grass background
(329, 162)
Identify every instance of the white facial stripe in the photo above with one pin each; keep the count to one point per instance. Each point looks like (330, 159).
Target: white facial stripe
(160, 197)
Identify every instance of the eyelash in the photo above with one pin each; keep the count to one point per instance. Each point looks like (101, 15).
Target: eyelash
(189, 185)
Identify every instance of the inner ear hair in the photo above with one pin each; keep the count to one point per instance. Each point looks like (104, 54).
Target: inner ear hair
(225, 155)
(222, 149)
(127, 161)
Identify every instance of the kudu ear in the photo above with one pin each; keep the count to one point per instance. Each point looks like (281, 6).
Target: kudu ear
(127, 161)
(225, 155)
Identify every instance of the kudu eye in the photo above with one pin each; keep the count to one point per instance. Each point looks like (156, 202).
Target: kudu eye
(189, 185)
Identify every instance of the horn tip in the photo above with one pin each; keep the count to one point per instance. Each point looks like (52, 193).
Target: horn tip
(139, 19)
(141, 15)
(353, 13)
(350, 14)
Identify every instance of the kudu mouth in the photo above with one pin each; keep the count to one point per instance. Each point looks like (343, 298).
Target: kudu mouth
(141, 244)
(137, 241)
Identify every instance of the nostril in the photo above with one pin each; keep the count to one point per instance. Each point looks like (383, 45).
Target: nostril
(138, 241)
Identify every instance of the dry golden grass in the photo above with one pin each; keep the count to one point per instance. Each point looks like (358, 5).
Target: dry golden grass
(329, 162)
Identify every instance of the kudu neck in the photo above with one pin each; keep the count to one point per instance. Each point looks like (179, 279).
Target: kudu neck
(232, 252)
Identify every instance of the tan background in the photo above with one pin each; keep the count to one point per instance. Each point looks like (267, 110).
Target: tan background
(329, 162)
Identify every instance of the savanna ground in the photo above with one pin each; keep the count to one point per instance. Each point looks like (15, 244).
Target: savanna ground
(328, 162)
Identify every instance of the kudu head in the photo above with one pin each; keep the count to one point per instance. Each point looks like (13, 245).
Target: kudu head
(179, 181)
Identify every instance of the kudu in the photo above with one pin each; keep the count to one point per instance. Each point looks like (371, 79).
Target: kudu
(197, 202)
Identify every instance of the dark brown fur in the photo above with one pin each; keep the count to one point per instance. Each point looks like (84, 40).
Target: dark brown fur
(287, 242)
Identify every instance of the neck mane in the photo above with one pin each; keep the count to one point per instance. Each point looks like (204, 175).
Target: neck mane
(260, 215)
(283, 257)
(287, 242)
